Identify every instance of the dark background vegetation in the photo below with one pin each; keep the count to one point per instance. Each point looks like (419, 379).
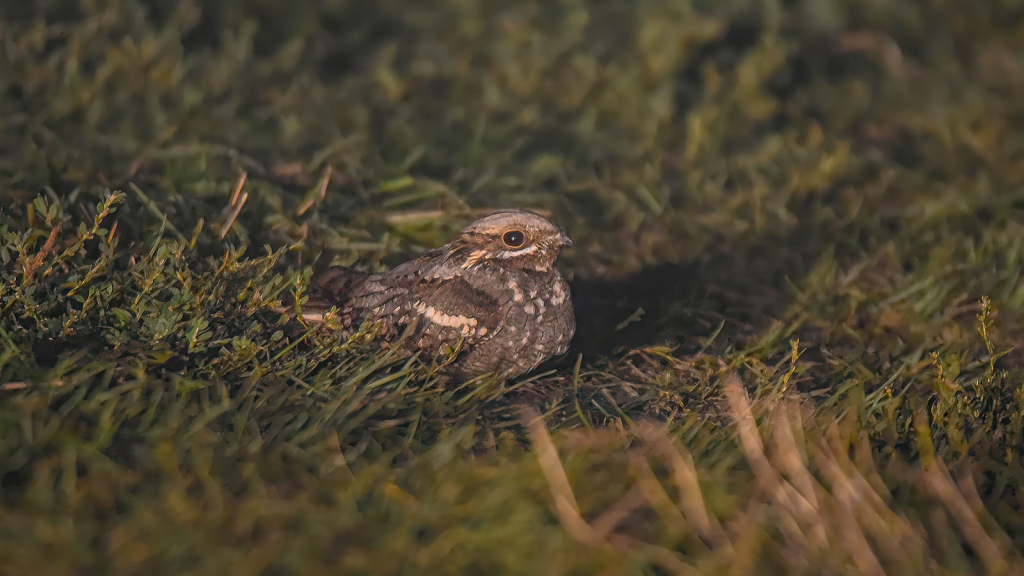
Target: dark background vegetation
(804, 216)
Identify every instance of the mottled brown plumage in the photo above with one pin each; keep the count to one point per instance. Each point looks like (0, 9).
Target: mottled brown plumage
(493, 289)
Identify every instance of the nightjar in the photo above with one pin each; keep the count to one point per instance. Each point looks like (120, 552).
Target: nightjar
(492, 293)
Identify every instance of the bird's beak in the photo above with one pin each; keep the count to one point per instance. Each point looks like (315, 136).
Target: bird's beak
(565, 240)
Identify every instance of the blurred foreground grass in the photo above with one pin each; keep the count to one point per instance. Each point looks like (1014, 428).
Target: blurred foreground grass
(797, 267)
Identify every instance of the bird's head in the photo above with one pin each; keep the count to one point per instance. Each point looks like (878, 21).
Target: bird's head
(512, 238)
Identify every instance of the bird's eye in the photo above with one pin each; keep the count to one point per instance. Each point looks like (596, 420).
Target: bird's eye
(514, 238)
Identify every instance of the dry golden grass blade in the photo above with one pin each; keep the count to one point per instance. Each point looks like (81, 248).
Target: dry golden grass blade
(48, 247)
(750, 438)
(790, 458)
(857, 545)
(813, 532)
(667, 559)
(866, 466)
(969, 490)
(551, 466)
(656, 496)
(318, 193)
(847, 500)
(795, 517)
(869, 41)
(792, 506)
(236, 210)
(337, 461)
(238, 187)
(749, 538)
(891, 533)
(939, 483)
(567, 510)
(610, 518)
(801, 489)
(684, 475)
(768, 479)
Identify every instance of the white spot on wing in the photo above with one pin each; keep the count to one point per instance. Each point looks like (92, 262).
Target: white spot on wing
(557, 294)
(442, 319)
(517, 294)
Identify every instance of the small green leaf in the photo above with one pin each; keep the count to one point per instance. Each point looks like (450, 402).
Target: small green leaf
(397, 184)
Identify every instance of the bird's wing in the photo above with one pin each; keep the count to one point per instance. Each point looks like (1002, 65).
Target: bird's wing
(449, 311)
(430, 292)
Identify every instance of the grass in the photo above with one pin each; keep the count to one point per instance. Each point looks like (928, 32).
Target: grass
(798, 236)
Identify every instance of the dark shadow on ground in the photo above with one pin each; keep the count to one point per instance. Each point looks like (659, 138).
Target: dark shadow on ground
(741, 289)
(685, 303)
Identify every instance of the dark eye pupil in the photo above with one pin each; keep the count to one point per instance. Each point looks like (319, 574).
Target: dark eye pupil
(514, 238)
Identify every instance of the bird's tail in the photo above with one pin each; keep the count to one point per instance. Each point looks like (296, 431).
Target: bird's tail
(312, 311)
(328, 289)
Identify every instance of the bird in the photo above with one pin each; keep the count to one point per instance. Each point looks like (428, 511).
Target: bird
(492, 296)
